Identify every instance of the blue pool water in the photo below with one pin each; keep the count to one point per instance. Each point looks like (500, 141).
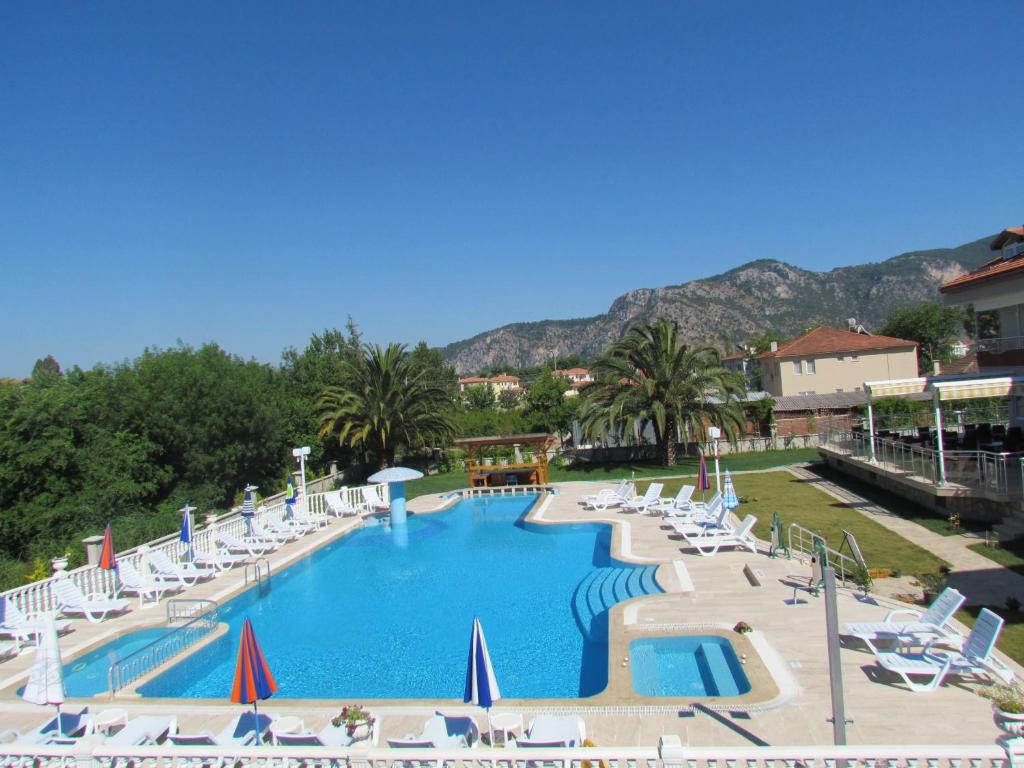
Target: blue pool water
(690, 665)
(376, 614)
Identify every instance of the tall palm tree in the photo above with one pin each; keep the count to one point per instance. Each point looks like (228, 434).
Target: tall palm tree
(650, 376)
(387, 401)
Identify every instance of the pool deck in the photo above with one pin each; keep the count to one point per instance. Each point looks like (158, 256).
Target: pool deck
(701, 592)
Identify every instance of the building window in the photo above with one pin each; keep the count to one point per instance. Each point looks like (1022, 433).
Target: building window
(809, 366)
(797, 367)
(807, 392)
(839, 389)
(839, 359)
(854, 358)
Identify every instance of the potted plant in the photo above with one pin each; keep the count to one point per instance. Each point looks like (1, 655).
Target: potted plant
(356, 720)
(933, 583)
(1007, 707)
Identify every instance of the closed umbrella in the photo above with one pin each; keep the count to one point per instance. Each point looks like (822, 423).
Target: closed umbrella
(289, 498)
(253, 680)
(703, 481)
(186, 529)
(46, 681)
(108, 561)
(729, 499)
(481, 684)
(249, 507)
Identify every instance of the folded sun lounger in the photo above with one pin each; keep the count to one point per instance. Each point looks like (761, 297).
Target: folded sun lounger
(95, 606)
(932, 625)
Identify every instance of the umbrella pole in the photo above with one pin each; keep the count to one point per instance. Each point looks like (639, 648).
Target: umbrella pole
(60, 729)
(256, 725)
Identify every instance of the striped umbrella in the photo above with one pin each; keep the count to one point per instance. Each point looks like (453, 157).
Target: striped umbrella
(253, 680)
(249, 507)
(108, 561)
(481, 684)
(289, 497)
(703, 481)
(729, 499)
(186, 528)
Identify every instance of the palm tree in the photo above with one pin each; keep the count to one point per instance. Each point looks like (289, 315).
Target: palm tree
(650, 376)
(387, 401)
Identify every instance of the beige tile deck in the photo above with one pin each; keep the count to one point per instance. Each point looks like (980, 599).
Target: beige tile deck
(794, 631)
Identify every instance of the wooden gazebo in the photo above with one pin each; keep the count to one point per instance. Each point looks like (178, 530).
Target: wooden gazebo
(485, 471)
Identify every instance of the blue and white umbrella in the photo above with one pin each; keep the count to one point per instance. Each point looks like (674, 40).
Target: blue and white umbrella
(729, 500)
(481, 684)
(249, 507)
(186, 529)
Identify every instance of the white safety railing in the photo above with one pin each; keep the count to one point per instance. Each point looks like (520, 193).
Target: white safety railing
(984, 470)
(802, 540)
(811, 756)
(38, 597)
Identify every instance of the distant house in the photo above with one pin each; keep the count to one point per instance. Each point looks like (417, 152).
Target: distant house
(577, 378)
(831, 360)
(497, 384)
(993, 296)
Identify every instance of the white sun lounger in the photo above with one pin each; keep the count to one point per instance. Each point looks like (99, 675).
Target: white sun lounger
(643, 503)
(145, 729)
(708, 544)
(241, 731)
(271, 530)
(279, 522)
(930, 626)
(302, 514)
(221, 559)
(95, 606)
(338, 506)
(609, 497)
(73, 725)
(680, 503)
(372, 500)
(145, 586)
(442, 732)
(329, 736)
(703, 521)
(185, 573)
(249, 545)
(22, 627)
(9, 649)
(554, 731)
(976, 659)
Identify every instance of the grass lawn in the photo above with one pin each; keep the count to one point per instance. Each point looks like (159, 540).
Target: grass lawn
(602, 472)
(1011, 641)
(799, 502)
(908, 510)
(1010, 554)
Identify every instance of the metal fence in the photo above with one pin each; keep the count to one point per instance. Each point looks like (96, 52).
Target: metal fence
(125, 671)
(803, 541)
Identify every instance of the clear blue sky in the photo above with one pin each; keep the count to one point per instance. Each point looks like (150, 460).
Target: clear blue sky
(249, 173)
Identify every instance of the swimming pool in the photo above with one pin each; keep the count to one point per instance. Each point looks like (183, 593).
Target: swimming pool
(384, 614)
(688, 665)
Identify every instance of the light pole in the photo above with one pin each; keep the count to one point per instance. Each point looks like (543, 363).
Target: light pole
(301, 454)
(714, 433)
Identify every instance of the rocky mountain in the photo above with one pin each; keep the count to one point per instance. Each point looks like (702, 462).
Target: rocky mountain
(762, 295)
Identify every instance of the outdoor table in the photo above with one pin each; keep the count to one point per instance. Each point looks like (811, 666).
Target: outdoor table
(505, 723)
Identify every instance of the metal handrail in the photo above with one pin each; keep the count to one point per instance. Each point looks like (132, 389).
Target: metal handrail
(136, 664)
(257, 571)
(844, 564)
(176, 608)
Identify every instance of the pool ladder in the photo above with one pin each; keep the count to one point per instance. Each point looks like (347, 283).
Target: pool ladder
(260, 570)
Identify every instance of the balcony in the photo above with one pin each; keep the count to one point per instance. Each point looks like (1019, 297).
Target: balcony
(1000, 352)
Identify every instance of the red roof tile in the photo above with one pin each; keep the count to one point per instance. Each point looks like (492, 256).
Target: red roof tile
(825, 340)
(994, 268)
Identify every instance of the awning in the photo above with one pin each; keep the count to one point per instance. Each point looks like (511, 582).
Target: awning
(978, 388)
(895, 387)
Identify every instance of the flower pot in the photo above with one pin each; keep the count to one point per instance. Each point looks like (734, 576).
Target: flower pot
(1010, 723)
(59, 564)
(361, 731)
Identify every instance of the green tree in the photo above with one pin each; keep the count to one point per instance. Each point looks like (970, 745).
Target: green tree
(650, 375)
(478, 397)
(762, 342)
(547, 407)
(933, 326)
(509, 399)
(388, 402)
(438, 370)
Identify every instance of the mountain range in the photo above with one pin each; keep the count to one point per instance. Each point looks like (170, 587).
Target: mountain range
(760, 296)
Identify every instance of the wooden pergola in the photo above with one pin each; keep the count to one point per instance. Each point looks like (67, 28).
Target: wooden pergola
(484, 472)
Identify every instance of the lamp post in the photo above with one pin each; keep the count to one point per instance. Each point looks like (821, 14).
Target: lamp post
(301, 454)
(714, 433)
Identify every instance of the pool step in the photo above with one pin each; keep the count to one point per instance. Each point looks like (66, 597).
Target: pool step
(716, 671)
(600, 589)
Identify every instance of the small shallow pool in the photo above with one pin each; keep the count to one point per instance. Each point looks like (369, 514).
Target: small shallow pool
(686, 666)
(87, 675)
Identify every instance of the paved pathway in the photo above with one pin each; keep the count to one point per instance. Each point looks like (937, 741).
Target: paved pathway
(983, 581)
